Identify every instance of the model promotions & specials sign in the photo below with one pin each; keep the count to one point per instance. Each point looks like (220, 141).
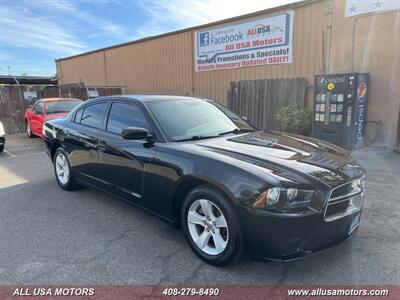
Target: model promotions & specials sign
(259, 42)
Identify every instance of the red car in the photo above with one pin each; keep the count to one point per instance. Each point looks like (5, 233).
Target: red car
(47, 109)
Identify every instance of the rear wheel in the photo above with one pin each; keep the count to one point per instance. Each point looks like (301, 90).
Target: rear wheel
(211, 226)
(62, 170)
(29, 130)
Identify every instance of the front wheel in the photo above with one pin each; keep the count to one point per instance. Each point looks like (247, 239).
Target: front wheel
(62, 170)
(211, 226)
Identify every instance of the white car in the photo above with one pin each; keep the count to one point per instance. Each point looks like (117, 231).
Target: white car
(2, 137)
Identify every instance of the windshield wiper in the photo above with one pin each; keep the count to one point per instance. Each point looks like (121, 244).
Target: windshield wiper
(236, 131)
(196, 137)
(202, 137)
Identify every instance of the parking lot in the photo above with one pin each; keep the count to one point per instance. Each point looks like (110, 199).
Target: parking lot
(48, 235)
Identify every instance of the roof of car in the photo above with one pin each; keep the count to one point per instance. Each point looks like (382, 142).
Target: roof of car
(150, 98)
(59, 99)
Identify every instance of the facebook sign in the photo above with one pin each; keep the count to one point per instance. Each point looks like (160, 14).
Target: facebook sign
(204, 39)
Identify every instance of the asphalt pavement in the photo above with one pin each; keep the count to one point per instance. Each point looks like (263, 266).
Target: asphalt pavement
(50, 236)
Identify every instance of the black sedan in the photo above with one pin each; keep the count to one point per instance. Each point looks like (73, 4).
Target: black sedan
(199, 166)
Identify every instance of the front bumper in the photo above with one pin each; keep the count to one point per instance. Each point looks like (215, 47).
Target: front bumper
(48, 146)
(279, 237)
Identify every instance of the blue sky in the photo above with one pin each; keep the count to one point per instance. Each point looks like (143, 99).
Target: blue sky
(33, 33)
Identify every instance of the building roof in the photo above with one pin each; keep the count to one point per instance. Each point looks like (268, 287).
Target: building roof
(269, 10)
(9, 79)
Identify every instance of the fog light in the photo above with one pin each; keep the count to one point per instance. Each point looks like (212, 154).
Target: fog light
(273, 196)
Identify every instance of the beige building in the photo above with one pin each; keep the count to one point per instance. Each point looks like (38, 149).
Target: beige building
(324, 41)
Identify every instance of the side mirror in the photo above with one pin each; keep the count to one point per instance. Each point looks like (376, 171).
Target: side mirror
(135, 133)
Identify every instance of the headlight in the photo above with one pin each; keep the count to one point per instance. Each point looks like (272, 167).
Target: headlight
(288, 198)
(272, 196)
(356, 184)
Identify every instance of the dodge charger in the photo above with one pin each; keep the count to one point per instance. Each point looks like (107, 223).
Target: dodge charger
(230, 187)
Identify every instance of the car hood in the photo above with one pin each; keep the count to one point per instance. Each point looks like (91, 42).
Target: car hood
(303, 156)
(55, 116)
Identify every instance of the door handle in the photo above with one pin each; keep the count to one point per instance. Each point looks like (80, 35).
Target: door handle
(101, 147)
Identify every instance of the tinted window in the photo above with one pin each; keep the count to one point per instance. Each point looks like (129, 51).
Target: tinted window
(93, 115)
(123, 115)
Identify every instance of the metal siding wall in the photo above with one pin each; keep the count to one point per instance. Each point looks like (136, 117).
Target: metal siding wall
(88, 68)
(161, 66)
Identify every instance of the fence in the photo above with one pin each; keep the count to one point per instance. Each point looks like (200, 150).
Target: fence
(14, 100)
(259, 100)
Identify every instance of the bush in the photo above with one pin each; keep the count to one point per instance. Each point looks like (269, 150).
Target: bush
(295, 119)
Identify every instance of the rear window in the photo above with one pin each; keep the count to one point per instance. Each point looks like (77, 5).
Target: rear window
(92, 115)
(55, 107)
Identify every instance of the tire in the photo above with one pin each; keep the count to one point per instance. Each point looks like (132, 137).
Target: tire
(62, 170)
(1, 148)
(28, 130)
(216, 244)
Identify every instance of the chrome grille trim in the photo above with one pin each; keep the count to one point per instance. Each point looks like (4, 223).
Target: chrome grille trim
(346, 197)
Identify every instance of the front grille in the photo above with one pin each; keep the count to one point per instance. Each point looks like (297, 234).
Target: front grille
(344, 200)
(341, 190)
(336, 208)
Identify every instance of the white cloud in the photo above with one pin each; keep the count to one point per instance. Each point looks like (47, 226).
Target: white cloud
(167, 15)
(21, 28)
(103, 26)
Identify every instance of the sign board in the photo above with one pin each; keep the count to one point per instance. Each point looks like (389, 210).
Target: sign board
(30, 95)
(259, 42)
(357, 7)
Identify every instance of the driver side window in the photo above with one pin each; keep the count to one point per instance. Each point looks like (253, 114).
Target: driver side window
(38, 108)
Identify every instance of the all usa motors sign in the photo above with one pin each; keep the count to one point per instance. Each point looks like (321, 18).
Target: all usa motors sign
(259, 42)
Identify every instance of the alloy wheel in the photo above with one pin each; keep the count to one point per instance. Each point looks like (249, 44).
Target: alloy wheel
(62, 168)
(208, 227)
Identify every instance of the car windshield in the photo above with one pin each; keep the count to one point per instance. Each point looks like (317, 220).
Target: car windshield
(54, 107)
(190, 119)
(239, 122)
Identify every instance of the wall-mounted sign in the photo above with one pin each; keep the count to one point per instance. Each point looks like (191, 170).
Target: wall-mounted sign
(259, 42)
(30, 95)
(357, 7)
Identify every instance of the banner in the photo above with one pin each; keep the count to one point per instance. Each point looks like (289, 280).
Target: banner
(259, 42)
(357, 7)
(198, 291)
